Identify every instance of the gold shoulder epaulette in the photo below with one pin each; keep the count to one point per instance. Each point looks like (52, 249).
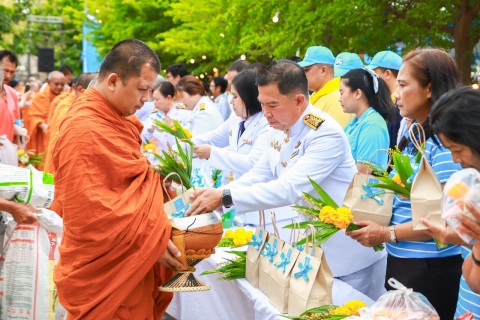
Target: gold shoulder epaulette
(155, 110)
(180, 106)
(202, 106)
(313, 121)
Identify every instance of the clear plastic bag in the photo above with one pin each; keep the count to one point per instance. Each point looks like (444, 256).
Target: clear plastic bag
(399, 304)
(462, 187)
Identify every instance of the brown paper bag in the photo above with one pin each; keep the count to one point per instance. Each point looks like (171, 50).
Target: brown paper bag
(255, 247)
(312, 280)
(369, 203)
(426, 192)
(179, 203)
(282, 271)
(267, 256)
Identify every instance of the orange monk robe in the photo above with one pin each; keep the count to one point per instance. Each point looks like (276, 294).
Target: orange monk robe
(54, 125)
(115, 228)
(37, 114)
(55, 102)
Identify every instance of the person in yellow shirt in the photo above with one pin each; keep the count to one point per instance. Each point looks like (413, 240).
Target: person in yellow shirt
(318, 66)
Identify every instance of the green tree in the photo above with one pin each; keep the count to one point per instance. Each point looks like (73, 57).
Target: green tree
(5, 20)
(223, 30)
(48, 35)
(117, 20)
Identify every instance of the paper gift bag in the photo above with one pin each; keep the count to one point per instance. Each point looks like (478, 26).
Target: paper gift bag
(176, 208)
(267, 256)
(255, 247)
(282, 271)
(312, 280)
(369, 203)
(426, 192)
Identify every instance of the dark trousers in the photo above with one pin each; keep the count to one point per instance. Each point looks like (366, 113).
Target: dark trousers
(438, 279)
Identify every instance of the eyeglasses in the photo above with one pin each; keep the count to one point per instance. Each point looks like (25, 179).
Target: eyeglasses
(58, 84)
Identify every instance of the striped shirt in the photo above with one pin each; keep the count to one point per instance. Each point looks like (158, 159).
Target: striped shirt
(467, 299)
(441, 161)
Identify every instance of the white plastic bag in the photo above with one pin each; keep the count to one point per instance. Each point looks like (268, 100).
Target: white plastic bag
(26, 185)
(8, 152)
(30, 254)
(462, 187)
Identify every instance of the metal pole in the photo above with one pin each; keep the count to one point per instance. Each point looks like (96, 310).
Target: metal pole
(28, 48)
(61, 44)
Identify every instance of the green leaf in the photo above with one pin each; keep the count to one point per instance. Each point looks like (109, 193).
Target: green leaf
(325, 197)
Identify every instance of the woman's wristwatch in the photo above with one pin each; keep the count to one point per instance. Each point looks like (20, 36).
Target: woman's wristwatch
(393, 235)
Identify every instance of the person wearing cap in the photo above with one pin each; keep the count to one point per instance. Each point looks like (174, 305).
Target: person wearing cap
(318, 66)
(345, 62)
(386, 65)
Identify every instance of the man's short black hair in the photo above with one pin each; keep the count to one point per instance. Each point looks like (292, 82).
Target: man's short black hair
(10, 56)
(126, 59)
(177, 69)
(240, 65)
(220, 82)
(287, 75)
(65, 69)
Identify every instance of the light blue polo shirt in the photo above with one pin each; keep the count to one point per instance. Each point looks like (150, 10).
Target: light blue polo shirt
(467, 299)
(367, 135)
(441, 161)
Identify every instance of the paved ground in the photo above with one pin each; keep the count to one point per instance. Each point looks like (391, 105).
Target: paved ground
(166, 316)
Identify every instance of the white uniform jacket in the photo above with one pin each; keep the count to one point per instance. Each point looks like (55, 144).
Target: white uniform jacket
(223, 106)
(234, 154)
(204, 117)
(281, 176)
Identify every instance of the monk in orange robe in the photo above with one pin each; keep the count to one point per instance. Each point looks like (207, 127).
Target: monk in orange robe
(37, 120)
(116, 248)
(81, 83)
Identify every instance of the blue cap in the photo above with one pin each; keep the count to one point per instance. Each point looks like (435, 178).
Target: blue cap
(345, 62)
(317, 54)
(387, 60)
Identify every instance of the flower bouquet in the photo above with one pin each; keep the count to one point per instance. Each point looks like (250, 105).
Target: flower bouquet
(175, 130)
(237, 238)
(328, 217)
(28, 157)
(176, 161)
(329, 312)
(232, 269)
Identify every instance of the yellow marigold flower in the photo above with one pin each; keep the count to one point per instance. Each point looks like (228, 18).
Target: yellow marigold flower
(239, 240)
(187, 133)
(149, 147)
(20, 152)
(396, 178)
(239, 231)
(249, 235)
(340, 217)
(348, 309)
(228, 234)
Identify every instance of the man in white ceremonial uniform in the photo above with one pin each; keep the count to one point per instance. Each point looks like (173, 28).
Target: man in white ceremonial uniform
(218, 87)
(307, 143)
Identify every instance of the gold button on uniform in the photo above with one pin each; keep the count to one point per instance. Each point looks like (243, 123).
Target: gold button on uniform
(284, 164)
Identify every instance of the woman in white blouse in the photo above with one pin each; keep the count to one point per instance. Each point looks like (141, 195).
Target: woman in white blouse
(237, 144)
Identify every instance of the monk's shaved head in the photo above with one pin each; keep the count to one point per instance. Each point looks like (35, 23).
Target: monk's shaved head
(127, 58)
(55, 74)
(84, 79)
(56, 82)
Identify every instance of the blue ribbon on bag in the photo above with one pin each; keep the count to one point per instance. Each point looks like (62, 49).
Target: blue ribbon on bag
(181, 213)
(371, 194)
(218, 182)
(270, 251)
(285, 259)
(196, 179)
(300, 247)
(256, 241)
(303, 269)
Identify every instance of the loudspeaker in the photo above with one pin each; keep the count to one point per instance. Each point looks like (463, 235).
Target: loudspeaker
(46, 59)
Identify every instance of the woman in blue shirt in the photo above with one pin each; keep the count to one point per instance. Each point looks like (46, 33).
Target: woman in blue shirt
(455, 119)
(367, 96)
(413, 257)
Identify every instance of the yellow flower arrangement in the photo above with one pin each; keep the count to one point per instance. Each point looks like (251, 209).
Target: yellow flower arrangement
(329, 312)
(237, 238)
(327, 217)
(28, 157)
(340, 217)
(396, 178)
(183, 134)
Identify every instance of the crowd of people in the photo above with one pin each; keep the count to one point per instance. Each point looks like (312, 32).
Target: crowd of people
(268, 129)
